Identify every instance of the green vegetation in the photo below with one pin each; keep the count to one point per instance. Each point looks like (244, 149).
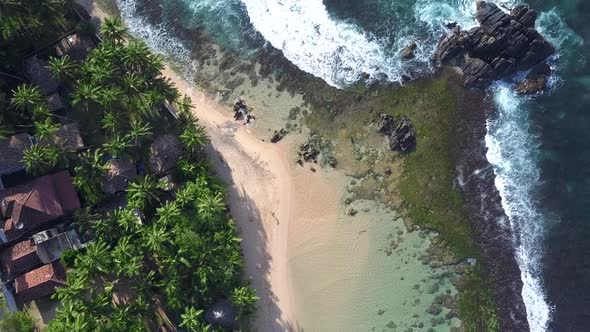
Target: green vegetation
(168, 250)
(19, 321)
(427, 186)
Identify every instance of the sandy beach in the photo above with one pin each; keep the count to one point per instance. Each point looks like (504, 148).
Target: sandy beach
(314, 266)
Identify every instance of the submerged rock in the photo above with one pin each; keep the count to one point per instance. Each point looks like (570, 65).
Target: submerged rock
(502, 45)
(408, 51)
(278, 135)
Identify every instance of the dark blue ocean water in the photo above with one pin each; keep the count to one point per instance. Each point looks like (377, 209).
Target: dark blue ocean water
(539, 146)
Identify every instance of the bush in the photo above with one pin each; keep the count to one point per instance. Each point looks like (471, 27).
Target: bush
(68, 257)
(19, 321)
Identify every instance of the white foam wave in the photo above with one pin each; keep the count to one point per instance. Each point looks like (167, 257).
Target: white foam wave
(512, 151)
(337, 52)
(157, 38)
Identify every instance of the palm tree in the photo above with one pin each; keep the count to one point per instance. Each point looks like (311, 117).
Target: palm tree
(114, 29)
(138, 131)
(116, 145)
(84, 95)
(194, 138)
(209, 205)
(40, 159)
(168, 212)
(133, 83)
(84, 218)
(142, 193)
(89, 173)
(184, 105)
(63, 68)
(111, 122)
(136, 56)
(244, 298)
(126, 258)
(154, 238)
(97, 258)
(191, 320)
(26, 97)
(46, 129)
(128, 221)
(109, 96)
(184, 196)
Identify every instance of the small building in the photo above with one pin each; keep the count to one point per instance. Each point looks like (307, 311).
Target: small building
(55, 102)
(119, 174)
(38, 74)
(76, 46)
(18, 259)
(51, 244)
(67, 136)
(12, 150)
(164, 153)
(40, 282)
(30, 206)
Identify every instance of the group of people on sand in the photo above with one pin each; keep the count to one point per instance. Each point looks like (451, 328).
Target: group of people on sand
(241, 112)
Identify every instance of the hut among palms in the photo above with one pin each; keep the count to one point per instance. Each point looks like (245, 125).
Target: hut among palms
(164, 154)
(120, 172)
(223, 314)
(37, 72)
(67, 136)
(76, 46)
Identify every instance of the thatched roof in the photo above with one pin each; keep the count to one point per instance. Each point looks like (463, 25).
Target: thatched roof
(120, 173)
(68, 136)
(37, 72)
(222, 313)
(11, 152)
(55, 102)
(164, 153)
(76, 46)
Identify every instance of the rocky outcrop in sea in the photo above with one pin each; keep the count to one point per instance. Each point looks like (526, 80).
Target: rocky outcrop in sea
(503, 44)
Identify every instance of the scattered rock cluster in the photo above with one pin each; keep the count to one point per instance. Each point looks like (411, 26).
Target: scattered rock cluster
(278, 135)
(408, 51)
(502, 45)
(401, 132)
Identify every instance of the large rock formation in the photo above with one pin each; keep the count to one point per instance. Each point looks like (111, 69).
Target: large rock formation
(401, 132)
(502, 45)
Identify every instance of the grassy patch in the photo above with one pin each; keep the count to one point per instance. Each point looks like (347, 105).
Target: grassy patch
(428, 189)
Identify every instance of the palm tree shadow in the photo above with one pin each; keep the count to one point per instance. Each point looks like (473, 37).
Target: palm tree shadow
(250, 226)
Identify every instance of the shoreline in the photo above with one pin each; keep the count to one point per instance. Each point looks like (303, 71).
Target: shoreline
(259, 181)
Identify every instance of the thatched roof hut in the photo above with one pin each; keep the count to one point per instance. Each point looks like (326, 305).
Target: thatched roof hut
(164, 153)
(223, 314)
(77, 46)
(55, 102)
(37, 72)
(12, 150)
(120, 173)
(68, 136)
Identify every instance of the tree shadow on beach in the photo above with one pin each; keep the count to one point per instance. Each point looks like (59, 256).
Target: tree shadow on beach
(254, 241)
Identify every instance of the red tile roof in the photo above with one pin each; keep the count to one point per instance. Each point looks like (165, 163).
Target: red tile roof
(40, 282)
(20, 258)
(38, 202)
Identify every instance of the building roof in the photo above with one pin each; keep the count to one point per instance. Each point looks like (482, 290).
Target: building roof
(33, 204)
(76, 46)
(19, 258)
(164, 153)
(40, 282)
(120, 173)
(67, 136)
(38, 73)
(52, 249)
(11, 152)
(55, 102)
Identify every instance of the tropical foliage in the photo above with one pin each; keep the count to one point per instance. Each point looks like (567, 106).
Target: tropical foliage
(159, 256)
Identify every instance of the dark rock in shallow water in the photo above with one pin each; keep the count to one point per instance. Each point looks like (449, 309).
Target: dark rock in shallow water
(408, 51)
(534, 83)
(500, 46)
(278, 135)
(387, 124)
(403, 137)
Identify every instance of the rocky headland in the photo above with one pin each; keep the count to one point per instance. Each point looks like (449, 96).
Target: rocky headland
(503, 44)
